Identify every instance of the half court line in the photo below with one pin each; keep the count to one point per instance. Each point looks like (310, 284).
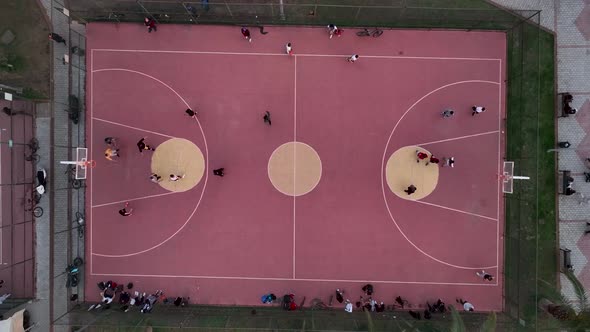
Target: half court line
(136, 199)
(132, 127)
(302, 55)
(302, 279)
(455, 210)
(458, 138)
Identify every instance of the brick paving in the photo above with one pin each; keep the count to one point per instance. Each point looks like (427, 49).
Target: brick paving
(570, 20)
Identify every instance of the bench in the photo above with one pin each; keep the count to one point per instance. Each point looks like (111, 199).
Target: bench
(566, 180)
(565, 260)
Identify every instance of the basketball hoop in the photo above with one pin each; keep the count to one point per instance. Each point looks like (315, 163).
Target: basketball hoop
(87, 163)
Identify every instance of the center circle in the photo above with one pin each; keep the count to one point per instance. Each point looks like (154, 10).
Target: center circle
(294, 168)
(180, 157)
(403, 169)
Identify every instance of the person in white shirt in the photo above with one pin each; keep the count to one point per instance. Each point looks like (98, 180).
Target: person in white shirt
(174, 177)
(348, 306)
(331, 30)
(477, 110)
(466, 305)
(289, 49)
(353, 58)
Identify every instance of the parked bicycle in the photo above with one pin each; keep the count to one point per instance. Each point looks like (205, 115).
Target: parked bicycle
(31, 200)
(73, 272)
(376, 32)
(71, 173)
(73, 109)
(33, 146)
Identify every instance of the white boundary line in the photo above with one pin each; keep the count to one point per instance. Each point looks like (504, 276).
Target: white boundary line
(206, 164)
(90, 188)
(456, 210)
(301, 55)
(294, 160)
(383, 181)
(137, 198)
(301, 279)
(132, 127)
(382, 185)
(499, 168)
(458, 138)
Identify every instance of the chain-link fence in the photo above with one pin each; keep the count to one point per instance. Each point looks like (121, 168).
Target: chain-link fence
(530, 244)
(531, 241)
(66, 134)
(384, 13)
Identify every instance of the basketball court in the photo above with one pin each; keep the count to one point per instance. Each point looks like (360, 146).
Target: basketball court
(315, 201)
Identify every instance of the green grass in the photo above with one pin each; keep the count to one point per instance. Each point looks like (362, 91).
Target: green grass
(531, 260)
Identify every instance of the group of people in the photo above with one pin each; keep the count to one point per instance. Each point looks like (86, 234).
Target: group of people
(367, 303)
(110, 290)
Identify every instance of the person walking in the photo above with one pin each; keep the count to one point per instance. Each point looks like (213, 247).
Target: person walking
(466, 305)
(219, 172)
(289, 49)
(339, 295)
(246, 34)
(266, 118)
(352, 58)
(420, 156)
(484, 275)
(126, 211)
(174, 177)
(447, 114)
(141, 145)
(155, 178)
(477, 110)
(110, 141)
(110, 152)
(150, 23)
(432, 160)
(191, 113)
(448, 162)
(411, 189)
(57, 38)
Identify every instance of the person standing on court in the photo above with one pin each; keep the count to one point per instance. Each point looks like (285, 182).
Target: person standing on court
(218, 172)
(352, 58)
(246, 34)
(332, 30)
(174, 177)
(191, 113)
(448, 162)
(141, 145)
(447, 114)
(289, 49)
(150, 23)
(484, 275)
(339, 295)
(411, 189)
(266, 118)
(466, 305)
(420, 156)
(126, 211)
(57, 38)
(155, 178)
(477, 110)
(110, 152)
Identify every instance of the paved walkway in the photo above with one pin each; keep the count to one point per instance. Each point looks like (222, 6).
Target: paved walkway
(570, 19)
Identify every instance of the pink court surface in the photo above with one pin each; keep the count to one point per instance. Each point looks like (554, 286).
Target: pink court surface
(229, 240)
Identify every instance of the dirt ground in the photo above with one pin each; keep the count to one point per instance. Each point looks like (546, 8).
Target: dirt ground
(30, 48)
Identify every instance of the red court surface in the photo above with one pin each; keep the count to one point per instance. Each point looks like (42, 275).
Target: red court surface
(229, 240)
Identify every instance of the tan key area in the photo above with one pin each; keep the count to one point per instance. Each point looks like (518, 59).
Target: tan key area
(294, 168)
(180, 157)
(402, 170)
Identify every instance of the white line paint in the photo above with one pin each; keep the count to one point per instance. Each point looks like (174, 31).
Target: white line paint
(91, 187)
(458, 138)
(206, 158)
(132, 127)
(383, 180)
(294, 160)
(137, 198)
(455, 210)
(499, 166)
(301, 55)
(303, 279)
